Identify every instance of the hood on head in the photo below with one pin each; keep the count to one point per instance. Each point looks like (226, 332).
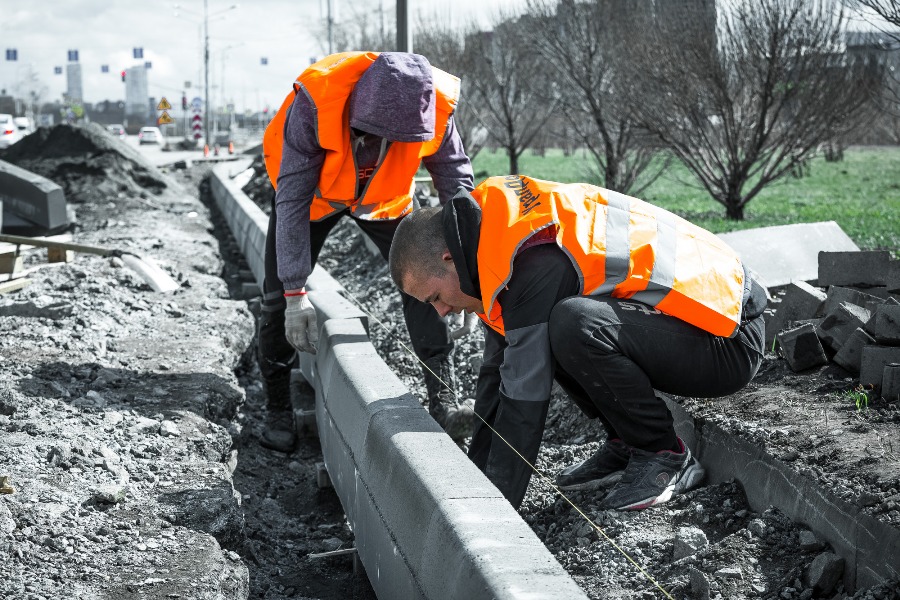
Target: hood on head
(395, 98)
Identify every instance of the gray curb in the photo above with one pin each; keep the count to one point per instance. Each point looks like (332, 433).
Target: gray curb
(869, 547)
(427, 522)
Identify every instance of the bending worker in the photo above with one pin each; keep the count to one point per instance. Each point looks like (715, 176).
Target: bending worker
(611, 296)
(348, 141)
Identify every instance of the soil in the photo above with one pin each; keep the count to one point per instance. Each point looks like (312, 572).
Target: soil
(130, 422)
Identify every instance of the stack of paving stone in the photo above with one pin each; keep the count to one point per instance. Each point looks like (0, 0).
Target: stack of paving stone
(854, 322)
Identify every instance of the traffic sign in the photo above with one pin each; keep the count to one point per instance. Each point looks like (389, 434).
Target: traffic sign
(163, 104)
(164, 119)
(197, 103)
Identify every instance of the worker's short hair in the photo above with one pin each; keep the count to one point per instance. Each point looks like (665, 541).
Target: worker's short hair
(418, 245)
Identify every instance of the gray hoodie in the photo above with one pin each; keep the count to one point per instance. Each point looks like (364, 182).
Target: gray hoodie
(394, 99)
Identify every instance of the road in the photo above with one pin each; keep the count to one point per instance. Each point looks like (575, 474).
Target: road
(158, 157)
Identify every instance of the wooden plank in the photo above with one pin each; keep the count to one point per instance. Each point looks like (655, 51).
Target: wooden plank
(58, 255)
(14, 285)
(10, 263)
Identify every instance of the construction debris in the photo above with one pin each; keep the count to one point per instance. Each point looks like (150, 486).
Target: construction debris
(856, 323)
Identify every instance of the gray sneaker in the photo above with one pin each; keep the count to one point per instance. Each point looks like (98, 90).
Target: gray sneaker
(652, 478)
(602, 469)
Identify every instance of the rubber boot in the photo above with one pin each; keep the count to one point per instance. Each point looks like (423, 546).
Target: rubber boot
(456, 418)
(278, 432)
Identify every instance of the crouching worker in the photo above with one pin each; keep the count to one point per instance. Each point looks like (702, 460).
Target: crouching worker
(611, 296)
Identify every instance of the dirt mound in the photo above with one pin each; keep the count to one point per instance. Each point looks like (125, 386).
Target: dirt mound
(89, 163)
(259, 188)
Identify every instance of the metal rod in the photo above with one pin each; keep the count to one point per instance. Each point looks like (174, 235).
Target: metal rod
(47, 243)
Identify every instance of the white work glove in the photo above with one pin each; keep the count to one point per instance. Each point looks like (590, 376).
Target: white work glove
(300, 326)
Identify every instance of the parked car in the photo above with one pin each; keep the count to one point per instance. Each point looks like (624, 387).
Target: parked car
(117, 130)
(151, 135)
(9, 133)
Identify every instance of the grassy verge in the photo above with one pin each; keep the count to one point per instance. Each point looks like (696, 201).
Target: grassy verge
(861, 193)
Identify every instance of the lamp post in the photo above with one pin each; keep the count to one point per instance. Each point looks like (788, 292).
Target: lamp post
(206, 20)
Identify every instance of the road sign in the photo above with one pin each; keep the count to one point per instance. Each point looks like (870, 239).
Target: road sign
(164, 119)
(197, 103)
(104, 68)
(137, 52)
(163, 104)
(73, 55)
(57, 70)
(12, 54)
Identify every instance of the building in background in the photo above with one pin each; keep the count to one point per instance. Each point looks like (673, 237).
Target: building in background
(137, 97)
(74, 90)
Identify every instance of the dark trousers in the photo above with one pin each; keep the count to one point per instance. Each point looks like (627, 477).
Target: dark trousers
(428, 332)
(612, 353)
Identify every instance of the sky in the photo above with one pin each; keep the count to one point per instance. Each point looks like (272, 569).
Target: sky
(105, 31)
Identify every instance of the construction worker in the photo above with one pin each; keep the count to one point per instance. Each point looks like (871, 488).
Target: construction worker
(348, 141)
(611, 296)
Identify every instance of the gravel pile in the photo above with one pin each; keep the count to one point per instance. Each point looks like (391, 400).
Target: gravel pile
(129, 466)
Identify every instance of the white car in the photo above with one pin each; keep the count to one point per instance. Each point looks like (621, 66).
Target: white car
(9, 133)
(151, 135)
(24, 125)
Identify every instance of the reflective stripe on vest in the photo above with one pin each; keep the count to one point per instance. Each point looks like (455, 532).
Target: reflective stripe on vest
(388, 192)
(620, 246)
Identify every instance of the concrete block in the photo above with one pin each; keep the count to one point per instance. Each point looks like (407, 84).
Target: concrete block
(850, 354)
(838, 294)
(874, 360)
(892, 279)
(885, 324)
(801, 301)
(801, 348)
(866, 269)
(890, 383)
(31, 199)
(787, 253)
(330, 304)
(840, 323)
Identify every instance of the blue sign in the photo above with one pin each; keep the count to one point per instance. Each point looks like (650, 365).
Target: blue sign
(138, 52)
(104, 68)
(73, 55)
(263, 61)
(148, 65)
(12, 54)
(57, 70)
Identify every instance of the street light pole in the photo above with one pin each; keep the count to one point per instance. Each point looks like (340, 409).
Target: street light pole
(206, 71)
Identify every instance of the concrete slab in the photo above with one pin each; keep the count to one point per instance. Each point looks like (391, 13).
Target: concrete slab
(786, 253)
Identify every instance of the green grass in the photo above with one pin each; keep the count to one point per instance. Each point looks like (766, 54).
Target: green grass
(861, 193)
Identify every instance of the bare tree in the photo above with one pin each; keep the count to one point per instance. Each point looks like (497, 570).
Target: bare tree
(444, 46)
(885, 15)
(889, 10)
(360, 27)
(585, 44)
(752, 104)
(513, 94)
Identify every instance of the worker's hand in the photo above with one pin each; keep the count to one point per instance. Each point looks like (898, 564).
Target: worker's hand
(300, 326)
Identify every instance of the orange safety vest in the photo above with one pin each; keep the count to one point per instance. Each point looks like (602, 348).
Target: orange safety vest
(621, 247)
(388, 193)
